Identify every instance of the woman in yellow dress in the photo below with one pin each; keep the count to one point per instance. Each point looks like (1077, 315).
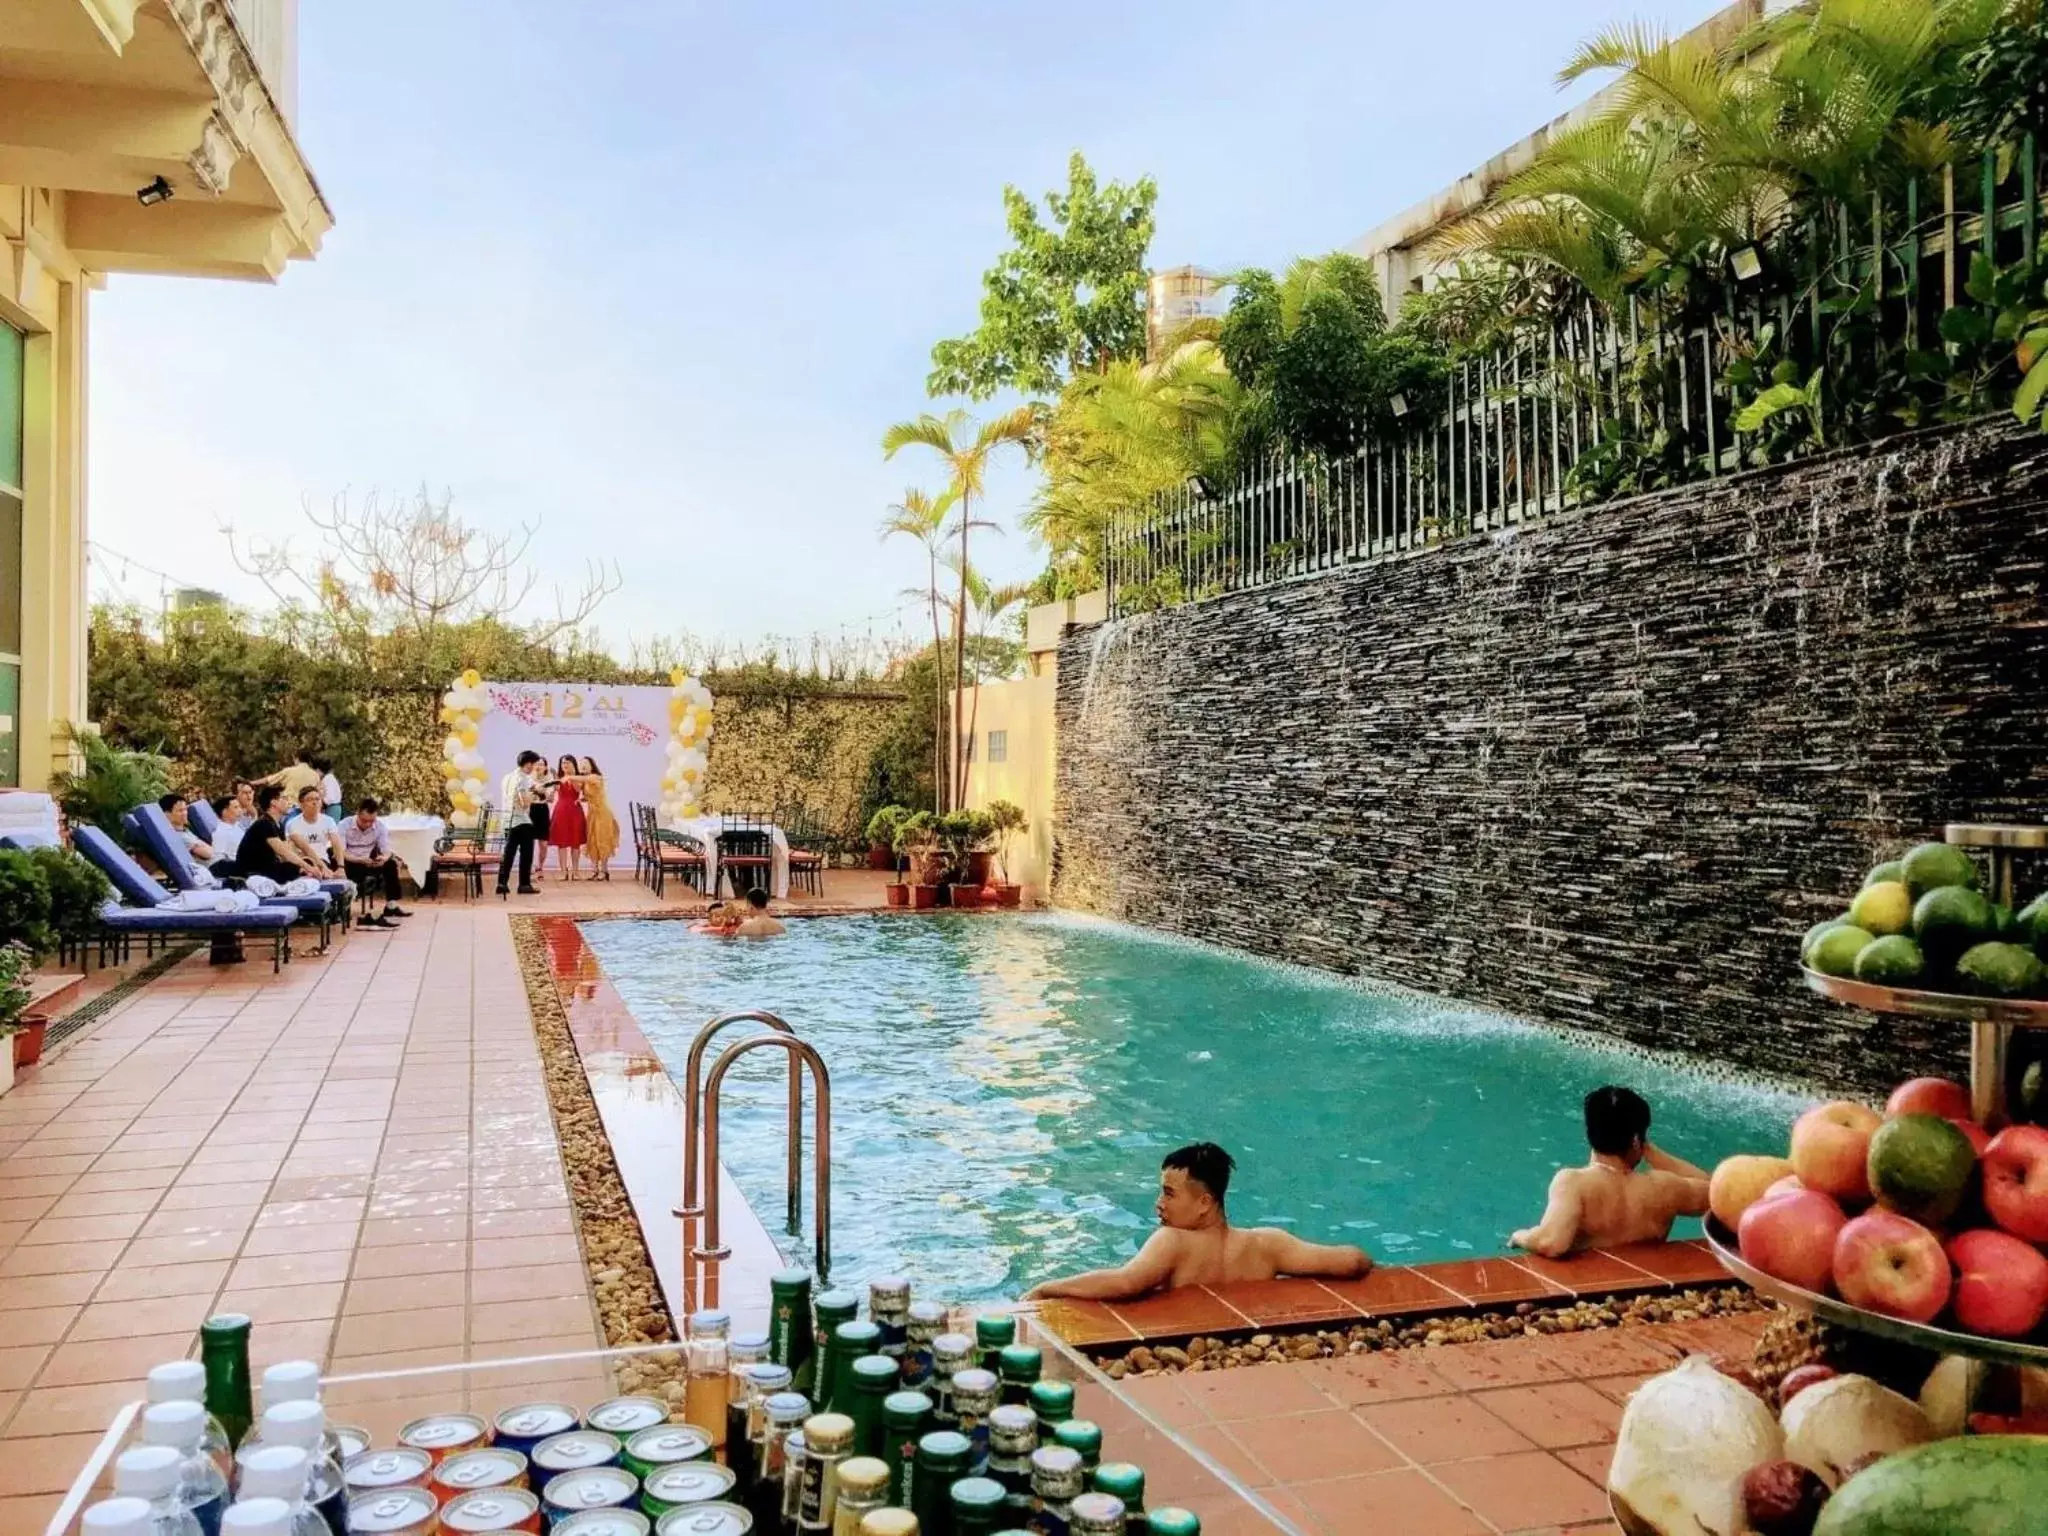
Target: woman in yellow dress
(601, 841)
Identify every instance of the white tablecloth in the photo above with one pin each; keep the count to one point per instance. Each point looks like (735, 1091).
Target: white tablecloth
(412, 838)
(704, 830)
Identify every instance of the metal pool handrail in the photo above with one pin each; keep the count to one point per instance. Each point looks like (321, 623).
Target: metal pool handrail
(693, 1072)
(821, 1192)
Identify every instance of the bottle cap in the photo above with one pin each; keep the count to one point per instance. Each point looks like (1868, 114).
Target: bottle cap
(978, 1493)
(995, 1332)
(768, 1378)
(1122, 1478)
(905, 1409)
(117, 1517)
(858, 1336)
(828, 1434)
(930, 1314)
(836, 1305)
(888, 1522)
(888, 1291)
(708, 1321)
(177, 1381)
(275, 1472)
(223, 1326)
(1021, 1362)
(257, 1517)
(790, 1280)
(301, 1424)
(863, 1476)
(751, 1343)
(1170, 1520)
(788, 1407)
(952, 1346)
(180, 1425)
(874, 1373)
(1053, 1401)
(974, 1385)
(291, 1381)
(944, 1450)
(1083, 1435)
(147, 1472)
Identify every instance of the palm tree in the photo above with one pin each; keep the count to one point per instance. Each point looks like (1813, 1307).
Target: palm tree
(965, 446)
(922, 517)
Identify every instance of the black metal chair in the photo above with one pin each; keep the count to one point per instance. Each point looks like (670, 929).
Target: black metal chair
(463, 853)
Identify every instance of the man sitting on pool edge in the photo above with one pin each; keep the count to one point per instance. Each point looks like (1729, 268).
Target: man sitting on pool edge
(1609, 1201)
(1197, 1245)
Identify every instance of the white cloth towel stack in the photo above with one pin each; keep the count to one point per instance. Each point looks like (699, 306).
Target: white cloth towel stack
(210, 901)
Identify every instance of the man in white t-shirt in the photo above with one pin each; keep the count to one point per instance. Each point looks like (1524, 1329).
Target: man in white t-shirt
(314, 831)
(234, 819)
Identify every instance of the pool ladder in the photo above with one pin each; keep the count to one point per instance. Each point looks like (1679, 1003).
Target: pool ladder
(801, 1055)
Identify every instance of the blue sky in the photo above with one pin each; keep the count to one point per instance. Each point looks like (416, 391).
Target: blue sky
(658, 274)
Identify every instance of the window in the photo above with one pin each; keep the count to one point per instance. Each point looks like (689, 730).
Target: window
(999, 746)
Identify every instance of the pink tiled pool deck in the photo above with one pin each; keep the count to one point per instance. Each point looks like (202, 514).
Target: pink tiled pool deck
(360, 1154)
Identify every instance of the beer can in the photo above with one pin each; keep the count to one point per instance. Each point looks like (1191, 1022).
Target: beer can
(400, 1467)
(489, 1511)
(713, 1519)
(522, 1428)
(441, 1435)
(624, 1416)
(689, 1482)
(664, 1446)
(572, 1452)
(394, 1512)
(599, 1522)
(349, 1440)
(488, 1466)
(592, 1488)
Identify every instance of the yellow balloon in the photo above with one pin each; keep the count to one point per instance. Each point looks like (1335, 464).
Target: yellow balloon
(468, 735)
(450, 771)
(471, 677)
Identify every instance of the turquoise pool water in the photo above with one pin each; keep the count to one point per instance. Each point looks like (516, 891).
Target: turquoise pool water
(1004, 1087)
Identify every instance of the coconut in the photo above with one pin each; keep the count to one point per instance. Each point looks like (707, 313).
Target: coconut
(1687, 1440)
(1835, 1427)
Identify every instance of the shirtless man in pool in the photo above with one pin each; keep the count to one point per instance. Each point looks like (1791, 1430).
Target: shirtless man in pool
(1613, 1199)
(1197, 1245)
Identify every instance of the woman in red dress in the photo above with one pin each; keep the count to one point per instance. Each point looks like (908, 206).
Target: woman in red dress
(567, 826)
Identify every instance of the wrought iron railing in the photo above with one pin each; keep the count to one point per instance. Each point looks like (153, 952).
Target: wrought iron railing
(1610, 402)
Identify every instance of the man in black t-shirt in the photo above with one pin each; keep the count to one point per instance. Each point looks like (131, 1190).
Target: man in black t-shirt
(265, 850)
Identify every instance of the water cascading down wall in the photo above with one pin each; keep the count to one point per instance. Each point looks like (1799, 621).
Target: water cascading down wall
(1602, 772)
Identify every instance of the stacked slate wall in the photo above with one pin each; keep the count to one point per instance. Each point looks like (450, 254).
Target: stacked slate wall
(1600, 772)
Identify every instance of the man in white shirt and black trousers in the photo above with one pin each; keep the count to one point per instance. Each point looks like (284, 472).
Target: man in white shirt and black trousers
(367, 857)
(525, 820)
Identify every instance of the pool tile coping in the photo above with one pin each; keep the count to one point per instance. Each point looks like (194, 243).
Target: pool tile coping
(641, 1108)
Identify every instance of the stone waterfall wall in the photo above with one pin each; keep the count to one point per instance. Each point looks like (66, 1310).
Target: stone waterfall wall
(1602, 772)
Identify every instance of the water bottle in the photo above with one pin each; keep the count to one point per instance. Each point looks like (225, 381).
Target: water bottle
(201, 1489)
(298, 1381)
(256, 1517)
(184, 1381)
(151, 1473)
(282, 1472)
(117, 1517)
(302, 1424)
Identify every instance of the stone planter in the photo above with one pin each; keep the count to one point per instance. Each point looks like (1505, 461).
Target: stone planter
(923, 897)
(28, 1039)
(898, 895)
(1007, 895)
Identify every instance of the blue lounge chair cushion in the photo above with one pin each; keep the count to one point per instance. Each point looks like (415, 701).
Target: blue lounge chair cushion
(154, 827)
(129, 878)
(157, 920)
(204, 822)
(26, 838)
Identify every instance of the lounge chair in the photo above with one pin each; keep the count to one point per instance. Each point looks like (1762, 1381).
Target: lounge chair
(144, 912)
(161, 839)
(204, 822)
(21, 839)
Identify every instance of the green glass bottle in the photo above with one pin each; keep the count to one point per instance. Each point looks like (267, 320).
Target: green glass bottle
(830, 1310)
(1170, 1521)
(1053, 1402)
(976, 1505)
(874, 1379)
(1019, 1365)
(1081, 1435)
(789, 1325)
(850, 1342)
(906, 1419)
(224, 1351)
(991, 1336)
(942, 1458)
(1124, 1480)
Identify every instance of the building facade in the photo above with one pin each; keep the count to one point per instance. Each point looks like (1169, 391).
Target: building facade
(135, 136)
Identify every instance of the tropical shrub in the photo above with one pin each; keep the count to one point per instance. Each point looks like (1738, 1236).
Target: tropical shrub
(16, 963)
(77, 892)
(25, 904)
(110, 782)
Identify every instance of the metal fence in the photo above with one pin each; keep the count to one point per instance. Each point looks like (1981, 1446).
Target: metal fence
(1607, 403)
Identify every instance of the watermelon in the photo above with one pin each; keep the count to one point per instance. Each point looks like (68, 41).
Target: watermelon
(1989, 1486)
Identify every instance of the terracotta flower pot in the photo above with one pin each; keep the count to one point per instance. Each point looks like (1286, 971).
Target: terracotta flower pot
(1009, 895)
(927, 867)
(880, 856)
(923, 897)
(965, 895)
(978, 866)
(28, 1040)
(899, 895)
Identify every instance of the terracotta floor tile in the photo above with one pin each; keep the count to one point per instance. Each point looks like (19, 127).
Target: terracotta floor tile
(1518, 1492)
(1493, 1282)
(335, 1211)
(43, 1464)
(244, 1194)
(560, 1222)
(407, 1292)
(418, 1328)
(1392, 1290)
(315, 1237)
(74, 1410)
(19, 1364)
(508, 1252)
(1381, 1503)
(143, 1283)
(1162, 1397)
(1384, 1376)
(410, 1259)
(194, 1221)
(188, 1249)
(500, 1321)
(1620, 1389)
(1285, 1303)
(1688, 1263)
(284, 1303)
(1556, 1414)
(308, 1339)
(279, 1269)
(1177, 1314)
(124, 1359)
(1433, 1429)
(140, 1319)
(48, 1291)
(1518, 1362)
(1083, 1322)
(391, 1232)
(34, 1325)
(1589, 1460)
(1592, 1274)
(60, 1259)
(33, 1207)
(1613, 1351)
(1253, 1392)
(321, 1187)
(113, 1202)
(1298, 1447)
(1217, 1442)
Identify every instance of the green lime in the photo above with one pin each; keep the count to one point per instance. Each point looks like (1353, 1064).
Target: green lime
(1948, 920)
(1891, 869)
(1931, 866)
(1835, 954)
(1894, 961)
(2000, 970)
(1813, 937)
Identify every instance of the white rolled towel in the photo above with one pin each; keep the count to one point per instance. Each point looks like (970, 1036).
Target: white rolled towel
(263, 886)
(305, 885)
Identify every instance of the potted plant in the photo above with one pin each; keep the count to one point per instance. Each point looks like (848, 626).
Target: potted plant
(882, 837)
(918, 841)
(1007, 820)
(967, 836)
(16, 966)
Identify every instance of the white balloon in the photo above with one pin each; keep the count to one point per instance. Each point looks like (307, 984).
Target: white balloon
(452, 748)
(464, 818)
(452, 699)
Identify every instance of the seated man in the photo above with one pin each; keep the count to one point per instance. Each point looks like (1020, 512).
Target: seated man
(316, 834)
(366, 855)
(756, 923)
(234, 818)
(202, 853)
(1608, 1201)
(1197, 1245)
(266, 851)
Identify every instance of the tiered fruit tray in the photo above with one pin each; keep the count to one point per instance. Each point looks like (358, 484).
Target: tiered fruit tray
(2021, 1012)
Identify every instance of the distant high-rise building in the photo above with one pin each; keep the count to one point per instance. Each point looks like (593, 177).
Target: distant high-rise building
(1175, 296)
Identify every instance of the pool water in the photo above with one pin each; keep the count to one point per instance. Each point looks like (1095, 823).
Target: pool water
(1004, 1087)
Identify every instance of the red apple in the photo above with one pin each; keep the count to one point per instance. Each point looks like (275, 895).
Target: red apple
(1929, 1096)
(2001, 1283)
(1888, 1263)
(2016, 1181)
(1831, 1147)
(1788, 1185)
(1979, 1137)
(1792, 1237)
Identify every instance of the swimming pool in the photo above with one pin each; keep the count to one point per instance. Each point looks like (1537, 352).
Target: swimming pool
(1004, 1087)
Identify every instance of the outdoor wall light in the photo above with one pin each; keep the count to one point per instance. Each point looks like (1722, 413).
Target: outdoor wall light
(1747, 264)
(1398, 405)
(1199, 484)
(157, 191)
